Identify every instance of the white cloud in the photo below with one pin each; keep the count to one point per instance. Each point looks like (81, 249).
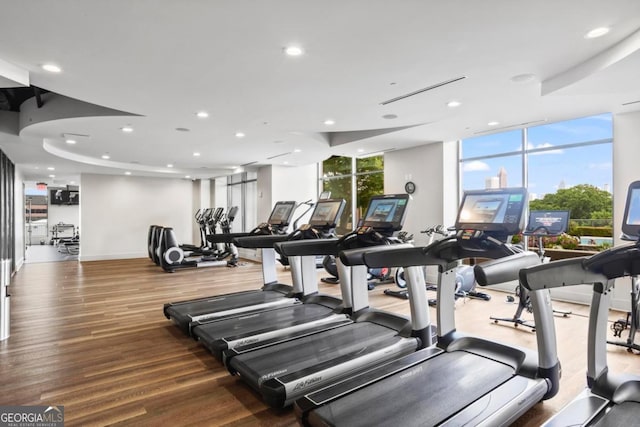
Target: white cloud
(475, 166)
(601, 166)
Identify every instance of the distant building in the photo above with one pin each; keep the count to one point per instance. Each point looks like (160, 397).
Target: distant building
(562, 185)
(502, 177)
(606, 188)
(492, 182)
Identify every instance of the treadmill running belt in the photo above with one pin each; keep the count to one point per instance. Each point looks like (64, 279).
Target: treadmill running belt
(295, 355)
(182, 312)
(215, 335)
(424, 395)
(624, 414)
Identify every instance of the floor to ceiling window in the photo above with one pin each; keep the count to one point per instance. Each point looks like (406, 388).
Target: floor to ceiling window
(242, 192)
(564, 165)
(355, 180)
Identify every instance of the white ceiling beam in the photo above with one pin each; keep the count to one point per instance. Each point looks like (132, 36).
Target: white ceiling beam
(601, 61)
(12, 75)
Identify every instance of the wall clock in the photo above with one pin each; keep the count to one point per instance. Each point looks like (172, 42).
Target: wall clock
(410, 187)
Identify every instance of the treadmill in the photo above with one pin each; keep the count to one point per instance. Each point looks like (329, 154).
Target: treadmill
(470, 380)
(271, 295)
(284, 372)
(317, 312)
(610, 399)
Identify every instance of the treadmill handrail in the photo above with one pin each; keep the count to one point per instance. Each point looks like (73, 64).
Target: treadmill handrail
(403, 256)
(558, 274)
(504, 269)
(308, 247)
(357, 256)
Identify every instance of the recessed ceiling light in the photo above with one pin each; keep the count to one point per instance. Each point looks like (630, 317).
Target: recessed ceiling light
(329, 122)
(51, 168)
(493, 123)
(293, 50)
(127, 129)
(240, 135)
(202, 114)
(52, 68)
(72, 182)
(37, 167)
(360, 150)
(187, 176)
(70, 141)
(454, 104)
(390, 116)
(234, 167)
(52, 176)
(196, 154)
(127, 173)
(297, 150)
(597, 32)
(523, 78)
(169, 165)
(286, 163)
(106, 156)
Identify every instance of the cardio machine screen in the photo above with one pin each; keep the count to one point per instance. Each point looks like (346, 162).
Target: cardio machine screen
(631, 225)
(493, 210)
(547, 223)
(386, 212)
(327, 212)
(281, 214)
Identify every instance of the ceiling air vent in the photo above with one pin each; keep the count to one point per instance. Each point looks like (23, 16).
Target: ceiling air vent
(278, 155)
(632, 102)
(248, 164)
(428, 88)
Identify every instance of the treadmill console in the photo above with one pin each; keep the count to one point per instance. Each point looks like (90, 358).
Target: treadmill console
(497, 213)
(631, 224)
(547, 223)
(385, 214)
(326, 214)
(281, 215)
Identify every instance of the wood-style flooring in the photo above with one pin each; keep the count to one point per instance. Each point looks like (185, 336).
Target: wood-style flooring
(91, 336)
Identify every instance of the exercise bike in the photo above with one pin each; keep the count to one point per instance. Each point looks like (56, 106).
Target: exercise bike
(541, 224)
(465, 279)
(375, 276)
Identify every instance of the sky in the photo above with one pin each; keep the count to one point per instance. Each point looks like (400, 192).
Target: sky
(548, 170)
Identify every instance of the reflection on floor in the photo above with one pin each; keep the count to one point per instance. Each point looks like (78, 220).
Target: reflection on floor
(46, 253)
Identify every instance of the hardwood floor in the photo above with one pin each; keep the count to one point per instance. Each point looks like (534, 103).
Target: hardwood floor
(91, 336)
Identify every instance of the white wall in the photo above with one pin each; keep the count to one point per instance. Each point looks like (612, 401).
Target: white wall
(264, 204)
(116, 212)
(19, 232)
(433, 168)
(281, 183)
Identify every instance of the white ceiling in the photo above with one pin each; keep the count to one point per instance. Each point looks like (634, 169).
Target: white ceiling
(162, 61)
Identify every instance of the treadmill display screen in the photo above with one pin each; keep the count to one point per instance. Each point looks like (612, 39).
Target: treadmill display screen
(631, 225)
(281, 214)
(548, 223)
(327, 212)
(493, 210)
(386, 212)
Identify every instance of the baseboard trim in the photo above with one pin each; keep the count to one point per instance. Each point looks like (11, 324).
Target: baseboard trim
(106, 257)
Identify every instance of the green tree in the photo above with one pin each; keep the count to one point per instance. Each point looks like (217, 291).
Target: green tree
(584, 201)
(338, 178)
